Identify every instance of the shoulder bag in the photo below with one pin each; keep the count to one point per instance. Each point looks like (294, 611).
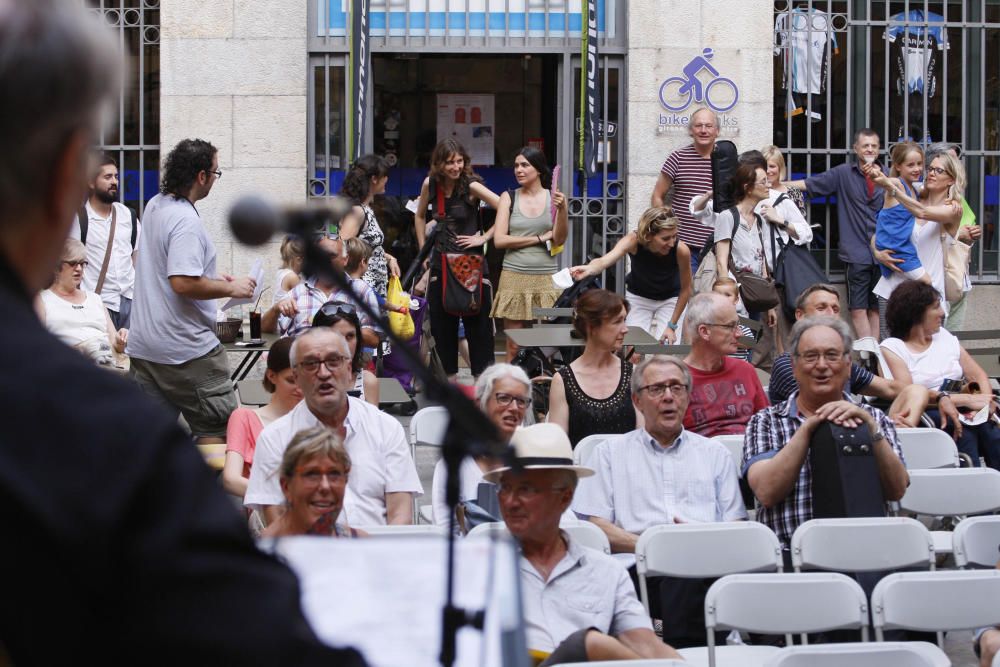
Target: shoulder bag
(758, 292)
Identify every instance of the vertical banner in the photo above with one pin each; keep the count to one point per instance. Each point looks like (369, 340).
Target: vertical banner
(590, 96)
(360, 73)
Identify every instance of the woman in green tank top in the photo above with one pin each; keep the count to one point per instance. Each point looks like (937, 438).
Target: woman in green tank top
(527, 229)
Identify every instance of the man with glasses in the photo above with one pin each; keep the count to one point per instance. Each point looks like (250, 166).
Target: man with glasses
(726, 391)
(660, 474)
(776, 445)
(383, 479)
(579, 604)
(294, 314)
(176, 355)
(686, 174)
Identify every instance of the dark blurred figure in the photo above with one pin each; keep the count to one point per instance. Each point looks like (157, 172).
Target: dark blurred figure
(118, 539)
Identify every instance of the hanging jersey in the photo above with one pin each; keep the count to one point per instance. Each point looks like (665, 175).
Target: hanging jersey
(804, 36)
(915, 46)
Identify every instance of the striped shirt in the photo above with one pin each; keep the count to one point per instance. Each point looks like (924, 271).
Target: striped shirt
(783, 381)
(691, 175)
(309, 299)
(767, 433)
(639, 483)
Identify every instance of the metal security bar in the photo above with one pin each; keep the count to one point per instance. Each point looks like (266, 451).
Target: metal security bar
(132, 136)
(910, 69)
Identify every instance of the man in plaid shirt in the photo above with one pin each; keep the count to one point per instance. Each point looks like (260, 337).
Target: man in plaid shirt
(776, 444)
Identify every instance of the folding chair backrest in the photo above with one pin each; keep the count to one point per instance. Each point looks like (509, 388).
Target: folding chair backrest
(489, 529)
(925, 448)
(870, 345)
(655, 662)
(860, 654)
(421, 529)
(952, 492)
(587, 534)
(586, 446)
(733, 443)
(786, 603)
(427, 426)
(862, 545)
(976, 541)
(936, 601)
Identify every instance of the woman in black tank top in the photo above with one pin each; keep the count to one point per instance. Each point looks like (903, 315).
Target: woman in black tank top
(593, 395)
(452, 192)
(658, 286)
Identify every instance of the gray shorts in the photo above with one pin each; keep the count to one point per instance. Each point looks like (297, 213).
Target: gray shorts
(861, 281)
(199, 389)
(571, 649)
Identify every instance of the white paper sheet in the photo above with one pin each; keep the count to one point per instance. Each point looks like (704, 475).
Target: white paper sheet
(257, 273)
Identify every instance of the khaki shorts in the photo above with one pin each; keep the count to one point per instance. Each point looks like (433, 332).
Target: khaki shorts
(200, 389)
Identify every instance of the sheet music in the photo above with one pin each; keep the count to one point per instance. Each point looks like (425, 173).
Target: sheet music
(257, 273)
(383, 595)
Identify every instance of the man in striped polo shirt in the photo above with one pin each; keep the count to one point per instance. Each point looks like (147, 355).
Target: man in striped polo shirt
(687, 173)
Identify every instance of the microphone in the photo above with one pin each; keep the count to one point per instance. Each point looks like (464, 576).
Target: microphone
(254, 220)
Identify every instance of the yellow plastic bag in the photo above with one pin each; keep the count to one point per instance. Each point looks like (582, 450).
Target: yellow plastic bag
(398, 304)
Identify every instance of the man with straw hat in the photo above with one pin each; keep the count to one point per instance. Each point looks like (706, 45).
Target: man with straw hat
(579, 604)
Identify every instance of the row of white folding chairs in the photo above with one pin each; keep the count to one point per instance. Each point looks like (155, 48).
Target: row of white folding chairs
(584, 533)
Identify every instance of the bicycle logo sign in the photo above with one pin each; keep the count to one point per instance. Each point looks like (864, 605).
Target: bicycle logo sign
(678, 92)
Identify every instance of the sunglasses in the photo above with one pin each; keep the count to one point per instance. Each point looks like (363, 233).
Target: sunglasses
(334, 308)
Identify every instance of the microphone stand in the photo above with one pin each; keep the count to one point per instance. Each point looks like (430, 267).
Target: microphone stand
(469, 432)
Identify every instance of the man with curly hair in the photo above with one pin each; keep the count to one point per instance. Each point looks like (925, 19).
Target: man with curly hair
(176, 356)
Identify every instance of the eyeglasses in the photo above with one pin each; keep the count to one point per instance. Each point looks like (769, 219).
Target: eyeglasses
(526, 492)
(657, 390)
(730, 327)
(315, 477)
(505, 400)
(704, 126)
(217, 172)
(831, 356)
(937, 171)
(76, 262)
(330, 363)
(763, 182)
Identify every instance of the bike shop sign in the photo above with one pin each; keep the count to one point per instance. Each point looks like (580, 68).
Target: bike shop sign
(679, 95)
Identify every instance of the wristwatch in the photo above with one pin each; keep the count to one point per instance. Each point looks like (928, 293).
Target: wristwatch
(877, 435)
(943, 394)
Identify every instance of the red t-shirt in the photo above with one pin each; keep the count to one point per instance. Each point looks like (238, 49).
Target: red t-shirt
(241, 435)
(723, 402)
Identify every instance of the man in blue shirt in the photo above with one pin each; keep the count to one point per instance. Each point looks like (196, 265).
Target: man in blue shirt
(858, 202)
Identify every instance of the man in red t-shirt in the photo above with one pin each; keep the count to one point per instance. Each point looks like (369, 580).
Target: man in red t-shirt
(727, 391)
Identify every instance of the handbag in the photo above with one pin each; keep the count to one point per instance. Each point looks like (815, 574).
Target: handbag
(759, 293)
(795, 270)
(400, 323)
(461, 283)
(956, 266)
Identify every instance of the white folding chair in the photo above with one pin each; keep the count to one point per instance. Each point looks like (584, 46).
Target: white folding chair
(936, 601)
(778, 604)
(427, 428)
(661, 662)
(861, 654)
(586, 446)
(422, 529)
(925, 448)
(584, 533)
(951, 492)
(862, 545)
(734, 443)
(975, 541)
(705, 550)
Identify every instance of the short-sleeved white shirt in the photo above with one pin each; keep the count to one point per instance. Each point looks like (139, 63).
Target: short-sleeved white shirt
(380, 461)
(939, 362)
(586, 589)
(640, 484)
(168, 328)
(120, 278)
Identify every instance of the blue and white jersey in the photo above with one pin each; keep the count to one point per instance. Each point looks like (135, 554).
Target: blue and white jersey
(917, 44)
(804, 36)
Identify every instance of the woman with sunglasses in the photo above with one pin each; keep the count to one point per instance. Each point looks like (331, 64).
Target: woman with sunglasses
(77, 316)
(343, 318)
(314, 471)
(594, 393)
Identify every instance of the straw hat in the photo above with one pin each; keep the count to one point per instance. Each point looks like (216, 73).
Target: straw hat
(541, 447)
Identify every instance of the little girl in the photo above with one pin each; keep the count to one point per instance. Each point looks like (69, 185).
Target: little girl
(293, 253)
(730, 289)
(894, 226)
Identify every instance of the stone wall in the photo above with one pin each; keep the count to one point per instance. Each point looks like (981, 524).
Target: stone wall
(233, 72)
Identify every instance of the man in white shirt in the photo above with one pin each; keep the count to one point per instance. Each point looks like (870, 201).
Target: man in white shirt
(383, 478)
(102, 212)
(579, 604)
(662, 474)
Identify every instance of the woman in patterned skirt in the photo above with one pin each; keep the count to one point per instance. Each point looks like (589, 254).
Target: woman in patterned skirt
(367, 178)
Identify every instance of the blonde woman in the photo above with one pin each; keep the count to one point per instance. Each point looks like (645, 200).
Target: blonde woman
(776, 173)
(659, 284)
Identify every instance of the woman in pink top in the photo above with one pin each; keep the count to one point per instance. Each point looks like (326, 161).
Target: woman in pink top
(245, 424)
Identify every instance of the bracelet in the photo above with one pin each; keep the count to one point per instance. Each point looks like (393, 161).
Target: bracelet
(672, 326)
(539, 237)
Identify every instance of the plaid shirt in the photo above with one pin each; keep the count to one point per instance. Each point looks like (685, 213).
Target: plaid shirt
(767, 432)
(309, 299)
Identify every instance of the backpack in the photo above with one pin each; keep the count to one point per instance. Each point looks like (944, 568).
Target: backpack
(84, 221)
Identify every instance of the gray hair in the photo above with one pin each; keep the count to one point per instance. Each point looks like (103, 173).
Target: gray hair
(72, 249)
(293, 352)
(700, 310)
(58, 72)
(807, 323)
(310, 442)
(939, 147)
(639, 372)
(715, 117)
(490, 376)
